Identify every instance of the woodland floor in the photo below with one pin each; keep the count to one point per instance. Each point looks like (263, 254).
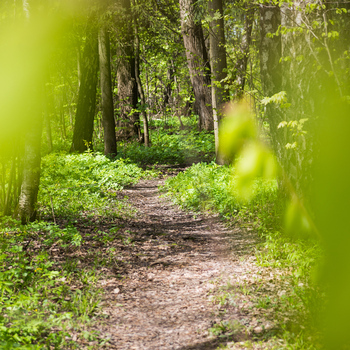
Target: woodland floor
(164, 289)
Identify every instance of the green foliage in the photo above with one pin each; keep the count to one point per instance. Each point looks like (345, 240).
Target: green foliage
(227, 329)
(33, 293)
(73, 184)
(239, 141)
(212, 187)
(170, 145)
(42, 300)
(280, 99)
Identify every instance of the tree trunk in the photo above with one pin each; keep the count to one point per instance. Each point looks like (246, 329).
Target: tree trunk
(110, 143)
(170, 80)
(198, 64)
(242, 61)
(270, 70)
(49, 108)
(84, 119)
(218, 68)
(128, 121)
(26, 209)
(139, 84)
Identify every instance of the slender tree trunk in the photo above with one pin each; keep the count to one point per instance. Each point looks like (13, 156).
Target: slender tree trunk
(128, 121)
(32, 105)
(270, 69)
(139, 84)
(108, 121)
(242, 61)
(198, 63)
(26, 209)
(170, 80)
(218, 68)
(49, 106)
(84, 119)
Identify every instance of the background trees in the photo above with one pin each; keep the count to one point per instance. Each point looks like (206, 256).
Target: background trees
(169, 58)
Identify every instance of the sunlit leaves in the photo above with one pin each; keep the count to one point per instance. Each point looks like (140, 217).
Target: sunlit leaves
(297, 220)
(236, 129)
(239, 138)
(279, 99)
(256, 160)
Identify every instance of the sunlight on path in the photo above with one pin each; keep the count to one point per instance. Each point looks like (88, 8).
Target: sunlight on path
(163, 301)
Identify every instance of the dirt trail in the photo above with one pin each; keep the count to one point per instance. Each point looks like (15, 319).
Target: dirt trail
(169, 271)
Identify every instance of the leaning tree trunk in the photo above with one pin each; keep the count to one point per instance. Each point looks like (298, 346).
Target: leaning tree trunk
(128, 121)
(29, 111)
(84, 119)
(198, 64)
(218, 68)
(108, 121)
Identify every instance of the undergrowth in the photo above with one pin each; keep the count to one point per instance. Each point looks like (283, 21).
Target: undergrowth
(38, 306)
(171, 145)
(209, 187)
(86, 184)
(48, 297)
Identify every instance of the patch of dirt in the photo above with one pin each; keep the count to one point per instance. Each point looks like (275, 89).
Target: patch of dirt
(158, 295)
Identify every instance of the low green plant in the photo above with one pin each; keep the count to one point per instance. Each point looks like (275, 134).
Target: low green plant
(37, 306)
(171, 145)
(227, 329)
(84, 184)
(83, 302)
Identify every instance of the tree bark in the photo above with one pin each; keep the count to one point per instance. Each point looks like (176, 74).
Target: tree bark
(270, 69)
(84, 119)
(26, 209)
(198, 63)
(128, 121)
(169, 82)
(242, 61)
(218, 68)
(110, 143)
(139, 85)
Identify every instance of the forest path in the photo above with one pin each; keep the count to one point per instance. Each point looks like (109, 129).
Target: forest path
(169, 270)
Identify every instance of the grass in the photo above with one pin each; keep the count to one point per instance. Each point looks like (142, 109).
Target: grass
(38, 307)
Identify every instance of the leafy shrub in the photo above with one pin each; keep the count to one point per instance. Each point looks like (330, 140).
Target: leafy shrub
(212, 187)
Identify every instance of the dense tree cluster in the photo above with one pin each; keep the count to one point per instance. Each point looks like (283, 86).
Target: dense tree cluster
(107, 63)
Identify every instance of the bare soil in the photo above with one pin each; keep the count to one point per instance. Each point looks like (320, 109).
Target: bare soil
(167, 275)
